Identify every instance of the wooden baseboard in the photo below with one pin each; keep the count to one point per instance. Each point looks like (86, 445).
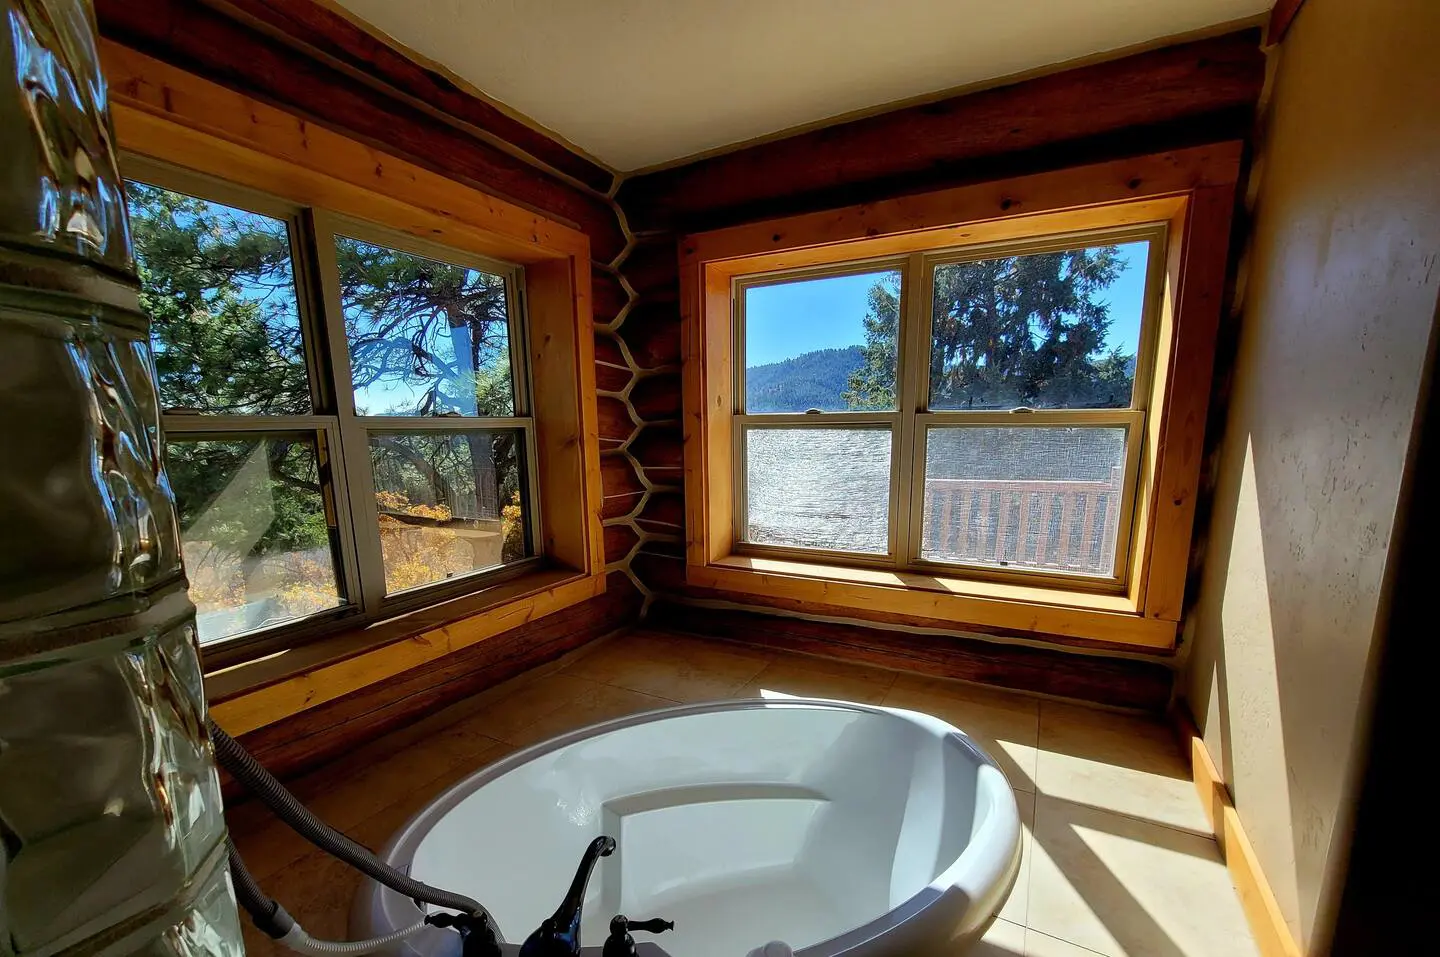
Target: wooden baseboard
(1272, 933)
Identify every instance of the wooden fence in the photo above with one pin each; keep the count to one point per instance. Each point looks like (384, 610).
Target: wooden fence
(1059, 525)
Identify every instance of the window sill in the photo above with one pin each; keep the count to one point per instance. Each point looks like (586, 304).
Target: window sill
(1022, 609)
(251, 695)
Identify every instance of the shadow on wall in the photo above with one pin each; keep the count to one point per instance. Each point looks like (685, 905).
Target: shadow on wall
(1341, 298)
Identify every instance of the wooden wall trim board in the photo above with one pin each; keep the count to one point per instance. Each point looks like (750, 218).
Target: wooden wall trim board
(308, 689)
(1191, 191)
(171, 114)
(1180, 85)
(1012, 614)
(1197, 282)
(330, 729)
(164, 113)
(1262, 911)
(871, 616)
(1118, 681)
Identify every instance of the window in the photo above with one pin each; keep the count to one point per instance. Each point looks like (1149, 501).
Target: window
(346, 408)
(973, 409)
(977, 409)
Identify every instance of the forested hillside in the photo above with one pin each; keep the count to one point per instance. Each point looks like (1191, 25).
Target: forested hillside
(814, 380)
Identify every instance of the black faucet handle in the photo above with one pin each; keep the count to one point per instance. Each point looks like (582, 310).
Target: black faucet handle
(621, 944)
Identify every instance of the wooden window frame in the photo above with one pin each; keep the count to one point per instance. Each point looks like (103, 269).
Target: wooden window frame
(1189, 192)
(912, 418)
(167, 115)
(340, 434)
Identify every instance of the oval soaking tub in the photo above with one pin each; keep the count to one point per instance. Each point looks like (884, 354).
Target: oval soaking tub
(836, 828)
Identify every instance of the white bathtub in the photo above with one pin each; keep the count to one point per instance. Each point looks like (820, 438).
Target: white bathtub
(837, 828)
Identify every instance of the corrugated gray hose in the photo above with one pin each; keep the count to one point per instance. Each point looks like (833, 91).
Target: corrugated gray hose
(273, 919)
(272, 794)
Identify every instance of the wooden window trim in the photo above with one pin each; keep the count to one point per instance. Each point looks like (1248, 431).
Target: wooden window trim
(166, 114)
(1191, 191)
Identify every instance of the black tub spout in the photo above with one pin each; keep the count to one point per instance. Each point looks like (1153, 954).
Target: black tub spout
(559, 934)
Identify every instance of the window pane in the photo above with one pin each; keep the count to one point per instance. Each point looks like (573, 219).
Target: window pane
(825, 344)
(219, 286)
(256, 543)
(818, 488)
(1031, 497)
(450, 503)
(426, 337)
(1050, 331)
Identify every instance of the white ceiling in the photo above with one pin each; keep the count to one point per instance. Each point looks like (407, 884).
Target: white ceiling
(638, 83)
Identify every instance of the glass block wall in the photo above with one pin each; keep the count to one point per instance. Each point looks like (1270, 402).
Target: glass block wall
(111, 825)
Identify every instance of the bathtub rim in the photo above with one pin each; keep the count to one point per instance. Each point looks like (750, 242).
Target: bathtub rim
(978, 873)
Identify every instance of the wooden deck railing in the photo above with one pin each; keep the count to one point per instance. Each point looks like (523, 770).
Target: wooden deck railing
(1061, 525)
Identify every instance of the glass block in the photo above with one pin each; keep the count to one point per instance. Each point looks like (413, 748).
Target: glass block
(88, 509)
(108, 788)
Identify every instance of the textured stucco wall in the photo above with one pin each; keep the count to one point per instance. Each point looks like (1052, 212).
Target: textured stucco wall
(1341, 280)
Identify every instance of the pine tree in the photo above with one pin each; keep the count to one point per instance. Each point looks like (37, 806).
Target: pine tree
(1011, 331)
(219, 287)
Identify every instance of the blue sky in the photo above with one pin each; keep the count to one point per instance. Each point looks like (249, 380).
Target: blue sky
(788, 319)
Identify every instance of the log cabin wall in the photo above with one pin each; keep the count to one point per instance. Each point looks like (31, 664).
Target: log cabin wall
(313, 62)
(1188, 94)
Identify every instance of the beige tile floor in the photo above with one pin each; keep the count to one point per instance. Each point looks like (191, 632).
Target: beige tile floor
(1117, 860)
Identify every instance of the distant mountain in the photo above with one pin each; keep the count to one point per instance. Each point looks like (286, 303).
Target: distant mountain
(813, 380)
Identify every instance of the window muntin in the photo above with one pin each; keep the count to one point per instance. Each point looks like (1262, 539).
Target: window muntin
(254, 303)
(1036, 340)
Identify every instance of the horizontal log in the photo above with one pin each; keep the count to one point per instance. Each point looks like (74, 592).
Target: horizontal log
(1206, 89)
(664, 514)
(615, 424)
(657, 397)
(205, 42)
(617, 476)
(652, 332)
(297, 744)
(619, 539)
(1118, 682)
(320, 31)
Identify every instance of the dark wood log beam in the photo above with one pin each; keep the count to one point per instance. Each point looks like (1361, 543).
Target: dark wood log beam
(1119, 682)
(321, 32)
(1200, 91)
(205, 41)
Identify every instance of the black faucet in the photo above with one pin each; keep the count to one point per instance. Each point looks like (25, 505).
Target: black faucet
(559, 934)
(621, 944)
